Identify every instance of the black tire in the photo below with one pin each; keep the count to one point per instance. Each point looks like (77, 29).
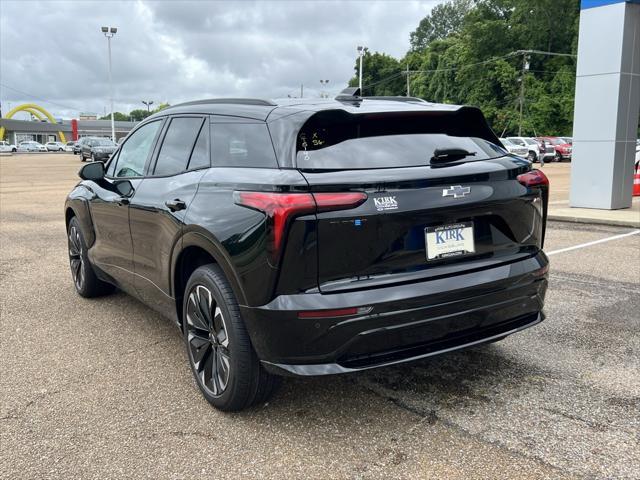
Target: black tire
(532, 157)
(82, 159)
(222, 359)
(87, 284)
(14, 150)
(557, 157)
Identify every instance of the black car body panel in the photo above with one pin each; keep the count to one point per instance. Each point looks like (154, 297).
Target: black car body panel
(146, 231)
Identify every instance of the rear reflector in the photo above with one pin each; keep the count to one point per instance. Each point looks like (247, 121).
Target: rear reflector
(340, 312)
(533, 178)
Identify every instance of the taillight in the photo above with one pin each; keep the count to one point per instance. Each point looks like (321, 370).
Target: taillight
(280, 207)
(533, 178)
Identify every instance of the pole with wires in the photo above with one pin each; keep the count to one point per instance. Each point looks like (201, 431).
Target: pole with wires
(408, 87)
(525, 67)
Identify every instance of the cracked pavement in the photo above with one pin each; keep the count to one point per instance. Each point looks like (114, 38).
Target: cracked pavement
(101, 388)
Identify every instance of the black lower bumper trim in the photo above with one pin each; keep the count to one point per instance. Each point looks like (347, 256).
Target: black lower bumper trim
(365, 362)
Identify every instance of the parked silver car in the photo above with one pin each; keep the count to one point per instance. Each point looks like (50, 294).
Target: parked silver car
(7, 147)
(31, 146)
(54, 146)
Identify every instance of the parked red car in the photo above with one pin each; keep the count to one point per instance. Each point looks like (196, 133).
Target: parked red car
(562, 148)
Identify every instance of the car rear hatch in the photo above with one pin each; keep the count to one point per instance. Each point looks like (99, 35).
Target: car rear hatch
(441, 197)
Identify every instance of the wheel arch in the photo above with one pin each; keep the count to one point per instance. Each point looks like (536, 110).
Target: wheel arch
(197, 249)
(77, 205)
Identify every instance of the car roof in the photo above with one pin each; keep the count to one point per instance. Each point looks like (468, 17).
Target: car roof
(260, 109)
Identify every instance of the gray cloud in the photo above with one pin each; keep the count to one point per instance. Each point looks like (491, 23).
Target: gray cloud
(176, 51)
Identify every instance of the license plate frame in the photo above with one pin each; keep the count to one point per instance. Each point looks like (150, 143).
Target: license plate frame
(449, 241)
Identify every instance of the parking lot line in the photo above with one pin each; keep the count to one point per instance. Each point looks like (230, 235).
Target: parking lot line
(595, 242)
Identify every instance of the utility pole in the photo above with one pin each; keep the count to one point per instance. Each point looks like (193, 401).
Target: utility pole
(525, 68)
(110, 32)
(301, 90)
(408, 88)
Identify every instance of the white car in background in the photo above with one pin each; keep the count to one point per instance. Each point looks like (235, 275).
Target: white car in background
(515, 149)
(7, 147)
(533, 148)
(69, 146)
(31, 146)
(54, 146)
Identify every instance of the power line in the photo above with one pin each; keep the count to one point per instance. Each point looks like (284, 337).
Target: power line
(484, 62)
(39, 98)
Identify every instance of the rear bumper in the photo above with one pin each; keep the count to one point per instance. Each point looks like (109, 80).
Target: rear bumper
(406, 322)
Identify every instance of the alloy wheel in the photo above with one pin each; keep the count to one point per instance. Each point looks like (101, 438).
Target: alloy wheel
(75, 257)
(208, 341)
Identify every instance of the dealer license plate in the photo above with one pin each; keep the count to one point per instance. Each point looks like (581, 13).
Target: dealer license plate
(449, 240)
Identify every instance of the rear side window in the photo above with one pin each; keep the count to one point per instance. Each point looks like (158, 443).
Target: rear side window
(242, 145)
(177, 145)
(340, 142)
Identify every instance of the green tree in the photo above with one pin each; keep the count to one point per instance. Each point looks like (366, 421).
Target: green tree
(464, 53)
(117, 116)
(138, 114)
(381, 75)
(444, 20)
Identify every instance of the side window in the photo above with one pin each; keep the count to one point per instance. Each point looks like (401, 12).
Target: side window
(200, 154)
(177, 145)
(134, 153)
(242, 145)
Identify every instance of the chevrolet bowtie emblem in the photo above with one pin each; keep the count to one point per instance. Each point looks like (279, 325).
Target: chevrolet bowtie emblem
(456, 191)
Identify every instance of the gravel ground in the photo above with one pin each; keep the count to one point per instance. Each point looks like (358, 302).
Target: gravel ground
(101, 388)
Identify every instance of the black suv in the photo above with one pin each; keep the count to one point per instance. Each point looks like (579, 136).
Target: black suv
(314, 237)
(96, 148)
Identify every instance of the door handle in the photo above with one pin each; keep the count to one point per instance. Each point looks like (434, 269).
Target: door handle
(175, 205)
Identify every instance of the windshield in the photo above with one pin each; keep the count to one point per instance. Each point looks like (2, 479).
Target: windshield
(555, 141)
(336, 143)
(104, 143)
(530, 141)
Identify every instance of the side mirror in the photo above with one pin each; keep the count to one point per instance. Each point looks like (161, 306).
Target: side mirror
(124, 188)
(92, 171)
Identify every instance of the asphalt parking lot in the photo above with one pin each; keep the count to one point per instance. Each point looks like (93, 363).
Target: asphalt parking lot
(102, 389)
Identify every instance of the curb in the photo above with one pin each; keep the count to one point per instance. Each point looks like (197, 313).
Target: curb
(594, 221)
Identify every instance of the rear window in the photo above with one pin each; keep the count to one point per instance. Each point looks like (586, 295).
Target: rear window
(380, 141)
(242, 145)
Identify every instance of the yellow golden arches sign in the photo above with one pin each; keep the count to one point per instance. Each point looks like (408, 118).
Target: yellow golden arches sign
(36, 110)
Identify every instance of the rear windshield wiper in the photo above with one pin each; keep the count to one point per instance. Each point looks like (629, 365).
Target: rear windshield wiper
(443, 155)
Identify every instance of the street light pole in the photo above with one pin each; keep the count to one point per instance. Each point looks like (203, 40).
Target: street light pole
(361, 51)
(323, 94)
(148, 104)
(110, 32)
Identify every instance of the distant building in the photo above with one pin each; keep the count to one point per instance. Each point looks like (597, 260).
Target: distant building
(17, 131)
(88, 116)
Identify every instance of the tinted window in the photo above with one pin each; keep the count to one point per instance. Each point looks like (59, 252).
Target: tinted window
(177, 146)
(337, 142)
(200, 155)
(134, 153)
(242, 145)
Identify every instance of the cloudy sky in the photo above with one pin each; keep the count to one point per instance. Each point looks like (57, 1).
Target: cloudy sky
(54, 54)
